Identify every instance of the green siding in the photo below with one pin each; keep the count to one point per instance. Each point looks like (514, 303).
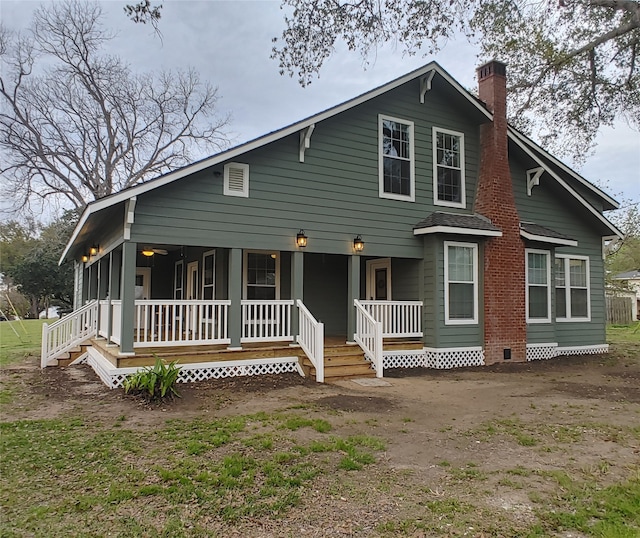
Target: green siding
(404, 280)
(325, 290)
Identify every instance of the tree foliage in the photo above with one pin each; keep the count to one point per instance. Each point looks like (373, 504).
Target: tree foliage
(573, 64)
(31, 264)
(77, 124)
(624, 254)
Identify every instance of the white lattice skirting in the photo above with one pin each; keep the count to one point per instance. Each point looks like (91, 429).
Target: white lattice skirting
(441, 359)
(114, 377)
(414, 358)
(549, 351)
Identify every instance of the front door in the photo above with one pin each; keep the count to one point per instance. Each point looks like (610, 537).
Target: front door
(379, 279)
(192, 281)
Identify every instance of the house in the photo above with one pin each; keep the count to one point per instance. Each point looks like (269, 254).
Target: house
(631, 280)
(410, 226)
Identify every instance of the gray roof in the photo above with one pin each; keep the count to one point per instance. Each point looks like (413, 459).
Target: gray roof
(634, 273)
(536, 229)
(456, 220)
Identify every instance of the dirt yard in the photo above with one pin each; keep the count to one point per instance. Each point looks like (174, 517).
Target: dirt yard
(489, 451)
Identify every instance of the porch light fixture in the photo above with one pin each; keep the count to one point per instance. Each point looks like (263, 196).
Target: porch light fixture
(301, 239)
(358, 243)
(93, 250)
(84, 258)
(147, 252)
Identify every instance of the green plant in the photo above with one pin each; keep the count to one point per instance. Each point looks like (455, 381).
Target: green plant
(155, 382)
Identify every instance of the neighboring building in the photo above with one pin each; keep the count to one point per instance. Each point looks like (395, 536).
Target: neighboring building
(632, 281)
(413, 210)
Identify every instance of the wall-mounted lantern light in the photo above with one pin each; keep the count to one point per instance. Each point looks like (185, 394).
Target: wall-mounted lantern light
(93, 250)
(301, 239)
(358, 244)
(85, 258)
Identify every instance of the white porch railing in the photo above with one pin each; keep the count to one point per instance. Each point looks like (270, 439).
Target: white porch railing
(68, 332)
(266, 321)
(398, 318)
(116, 309)
(369, 336)
(174, 323)
(311, 339)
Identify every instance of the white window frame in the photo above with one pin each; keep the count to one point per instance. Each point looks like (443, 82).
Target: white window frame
(175, 274)
(206, 254)
(463, 190)
(412, 158)
(244, 193)
(567, 293)
(547, 253)
(245, 267)
(457, 321)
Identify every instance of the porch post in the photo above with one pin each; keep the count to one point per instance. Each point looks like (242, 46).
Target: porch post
(297, 286)
(102, 286)
(127, 295)
(114, 282)
(235, 296)
(353, 293)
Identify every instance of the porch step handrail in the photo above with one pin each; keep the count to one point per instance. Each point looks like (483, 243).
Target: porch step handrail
(398, 318)
(68, 332)
(311, 339)
(266, 320)
(368, 336)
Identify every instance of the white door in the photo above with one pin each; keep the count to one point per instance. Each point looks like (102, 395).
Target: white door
(143, 282)
(192, 281)
(379, 279)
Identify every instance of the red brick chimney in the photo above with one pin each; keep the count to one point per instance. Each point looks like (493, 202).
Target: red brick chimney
(505, 329)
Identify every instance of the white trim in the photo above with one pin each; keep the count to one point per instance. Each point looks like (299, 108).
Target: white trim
(583, 350)
(550, 240)
(412, 160)
(565, 168)
(245, 267)
(456, 230)
(193, 268)
(474, 247)
(206, 254)
(547, 253)
(181, 288)
(517, 138)
(227, 190)
(463, 192)
(568, 287)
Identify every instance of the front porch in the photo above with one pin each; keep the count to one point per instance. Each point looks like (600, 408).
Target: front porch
(196, 334)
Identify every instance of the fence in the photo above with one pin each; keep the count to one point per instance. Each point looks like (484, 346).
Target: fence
(620, 310)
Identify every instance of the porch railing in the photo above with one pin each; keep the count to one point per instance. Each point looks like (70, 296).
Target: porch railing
(398, 318)
(368, 336)
(266, 321)
(311, 339)
(170, 323)
(68, 332)
(116, 309)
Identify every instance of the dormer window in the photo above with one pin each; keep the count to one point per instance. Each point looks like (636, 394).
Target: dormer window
(396, 159)
(448, 168)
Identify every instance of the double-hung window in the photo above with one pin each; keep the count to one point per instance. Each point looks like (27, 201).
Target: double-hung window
(573, 301)
(448, 168)
(538, 286)
(262, 276)
(461, 283)
(396, 159)
(178, 280)
(209, 275)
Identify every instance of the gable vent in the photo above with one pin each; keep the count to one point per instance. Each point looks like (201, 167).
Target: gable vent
(236, 179)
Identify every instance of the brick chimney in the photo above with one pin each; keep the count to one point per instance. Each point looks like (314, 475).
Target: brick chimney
(505, 329)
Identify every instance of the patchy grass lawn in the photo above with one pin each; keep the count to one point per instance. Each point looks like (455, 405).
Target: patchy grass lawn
(542, 449)
(624, 334)
(20, 339)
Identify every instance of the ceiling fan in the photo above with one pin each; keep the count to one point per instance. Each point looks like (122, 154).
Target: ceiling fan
(148, 252)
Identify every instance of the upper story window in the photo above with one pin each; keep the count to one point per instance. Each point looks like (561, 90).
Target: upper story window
(573, 292)
(461, 283)
(538, 286)
(448, 168)
(396, 159)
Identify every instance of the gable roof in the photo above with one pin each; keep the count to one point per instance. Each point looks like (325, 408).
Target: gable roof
(633, 274)
(428, 71)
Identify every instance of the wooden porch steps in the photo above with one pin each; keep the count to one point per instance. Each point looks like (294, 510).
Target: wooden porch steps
(341, 362)
(67, 358)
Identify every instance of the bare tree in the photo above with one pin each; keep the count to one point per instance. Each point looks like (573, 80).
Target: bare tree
(76, 123)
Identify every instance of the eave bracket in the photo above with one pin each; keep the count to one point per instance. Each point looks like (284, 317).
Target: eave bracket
(129, 216)
(533, 178)
(425, 84)
(305, 140)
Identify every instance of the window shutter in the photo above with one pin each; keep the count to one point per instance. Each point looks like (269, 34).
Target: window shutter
(236, 180)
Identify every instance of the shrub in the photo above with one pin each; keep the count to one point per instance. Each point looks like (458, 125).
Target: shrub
(155, 382)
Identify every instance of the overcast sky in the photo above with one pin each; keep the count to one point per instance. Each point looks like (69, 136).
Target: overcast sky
(229, 43)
